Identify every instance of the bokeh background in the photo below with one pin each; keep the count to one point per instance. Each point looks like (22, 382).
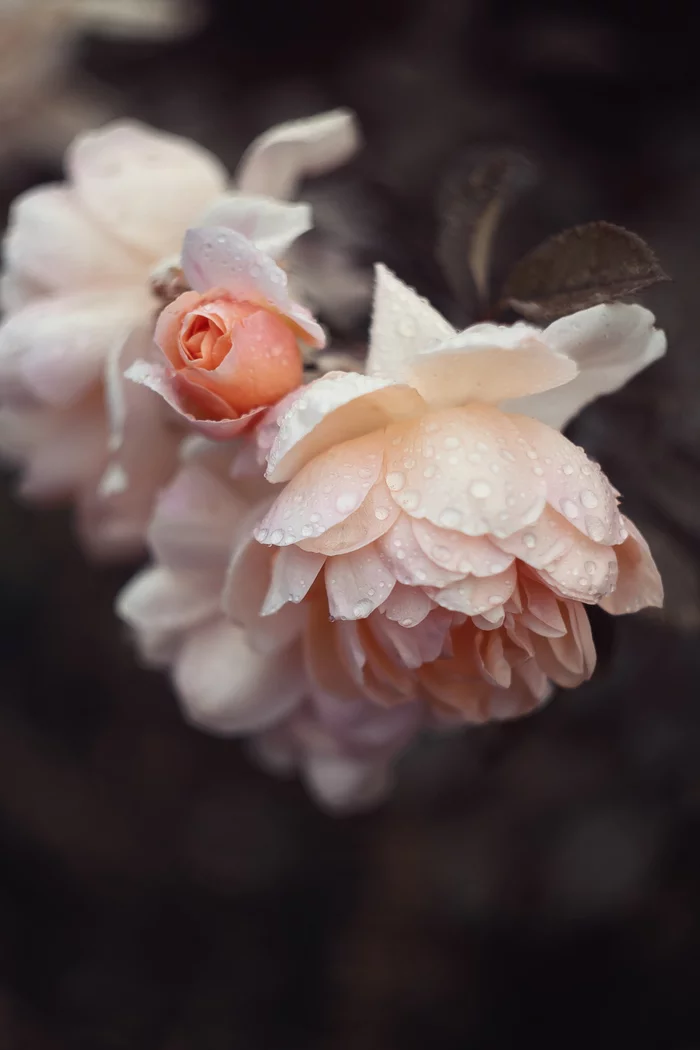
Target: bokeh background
(536, 882)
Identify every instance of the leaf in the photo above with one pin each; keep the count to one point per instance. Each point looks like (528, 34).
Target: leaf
(578, 268)
(472, 202)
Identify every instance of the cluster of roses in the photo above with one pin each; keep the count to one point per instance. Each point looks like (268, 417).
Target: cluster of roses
(336, 566)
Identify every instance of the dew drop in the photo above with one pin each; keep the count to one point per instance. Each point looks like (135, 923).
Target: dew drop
(307, 530)
(568, 469)
(465, 567)
(346, 502)
(451, 518)
(496, 567)
(589, 499)
(430, 471)
(505, 454)
(406, 622)
(538, 471)
(362, 608)
(480, 489)
(421, 574)
(531, 454)
(401, 555)
(396, 481)
(530, 540)
(583, 582)
(451, 442)
(495, 599)
(410, 499)
(314, 518)
(365, 472)
(594, 528)
(440, 553)
(262, 535)
(569, 508)
(409, 464)
(277, 536)
(495, 469)
(474, 457)
(590, 567)
(381, 513)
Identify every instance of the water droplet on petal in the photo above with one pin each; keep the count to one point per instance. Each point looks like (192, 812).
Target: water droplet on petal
(465, 567)
(496, 567)
(589, 499)
(409, 464)
(362, 608)
(531, 454)
(590, 567)
(430, 471)
(569, 508)
(505, 454)
(474, 457)
(381, 513)
(262, 535)
(440, 553)
(480, 489)
(277, 536)
(583, 582)
(410, 499)
(406, 622)
(451, 442)
(346, 502)
(594, 528)
(307, 530)
(538, 471)
(451, 518)
(530, 540)
(568, 469)
(495, 599)
(396, 480)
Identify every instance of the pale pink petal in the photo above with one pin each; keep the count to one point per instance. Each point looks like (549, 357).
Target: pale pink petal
(541, 613)
(570, 659)
(357, 584)
(543, 542)
(174, 389)
(217, 257)
(403, 324)
(407, 606)
(143, 186)
(276, 162)
(272, 225)
(408, 562)
(53, 243)
(475, 595)
(195, 521)
(372, 519)
(228, 688)
(293, 573)
(415, 642)
(465, 470)
(336, 408)
(332, 686)
(158, 600)
(55, 349)
(324, 493)
(586, 573)
(576, 486)
(492, 660)
(639, 584)
(610, 343)
(489, 363)
(475, 555)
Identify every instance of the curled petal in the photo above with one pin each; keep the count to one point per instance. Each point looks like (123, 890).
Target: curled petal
(293, 573)
(324, 493)
(576, 487)
(336, 408)
(543, 542)
(568, 659)
(176, 390)
(357, 584)
(372, 519)
(489, 363)
(474, 596)
(271, 225)
(217, 257)
(639, 584)
(586, 573)
(159, 601)
(408, 562)
(465, 470)
(276, 162)
(142, 185)
(403, 324)
(226, 687)
(609, 343)
(541, 612)
(475, 555)
(407, 606)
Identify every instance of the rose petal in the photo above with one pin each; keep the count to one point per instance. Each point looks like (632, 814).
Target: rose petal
(357, 584)
(465, 470)
(159, 600)
(143, 186)
(276, 162)
(586, 573)
(56, 245)
(543, 542)
(541, 613)
(55, 349)
(293, 573)
(342, 783)
(372, 519)
(488, 363)
(272, 225)
(407, 606)
(639, 584)
(475, 555)
(610, 343)
(195, 521)
(217, 257)
(403, 324)
(403, 555)
(175, 389)
(475, 595)
(324, 493)
(336, 408)
(228, 688)
(576, 487)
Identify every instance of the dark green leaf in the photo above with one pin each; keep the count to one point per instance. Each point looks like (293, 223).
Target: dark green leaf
(578, 268)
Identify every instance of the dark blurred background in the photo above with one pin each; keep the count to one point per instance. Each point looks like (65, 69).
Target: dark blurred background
(534, 882)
